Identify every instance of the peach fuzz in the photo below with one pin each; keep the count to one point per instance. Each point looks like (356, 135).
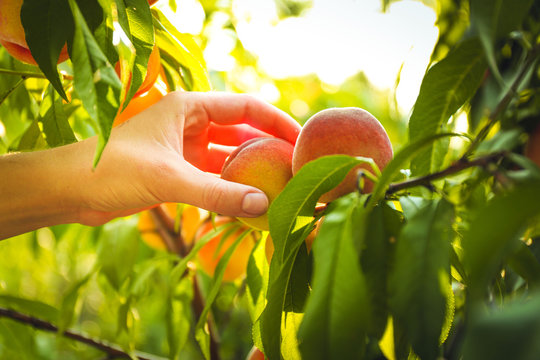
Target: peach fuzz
(348, 131)
(264, 163)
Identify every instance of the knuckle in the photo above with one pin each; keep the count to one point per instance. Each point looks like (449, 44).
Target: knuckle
(214, 196)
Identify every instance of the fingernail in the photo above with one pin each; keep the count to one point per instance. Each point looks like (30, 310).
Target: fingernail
(255, 203)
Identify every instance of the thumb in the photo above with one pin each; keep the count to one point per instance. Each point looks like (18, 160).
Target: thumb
(212, 193)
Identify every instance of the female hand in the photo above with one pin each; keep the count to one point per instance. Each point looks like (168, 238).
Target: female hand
(170, 152)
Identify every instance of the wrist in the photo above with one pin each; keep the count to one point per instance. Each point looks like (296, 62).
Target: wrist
(36, 191)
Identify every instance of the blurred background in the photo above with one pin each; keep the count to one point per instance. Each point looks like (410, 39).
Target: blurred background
(308, 55)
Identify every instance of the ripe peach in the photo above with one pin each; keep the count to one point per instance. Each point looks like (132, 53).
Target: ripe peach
(255, 354)
(532, 150)
(190, 221)
(12, 35)
(349, 131)
(209, 255)
(265, 163)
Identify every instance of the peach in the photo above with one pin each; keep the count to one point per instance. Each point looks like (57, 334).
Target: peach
(12, 35)
(265, 163)
(190, 221)
(209, 255)
(349, 131)
(255, 354)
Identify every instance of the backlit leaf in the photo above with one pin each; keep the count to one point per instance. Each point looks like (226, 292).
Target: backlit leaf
(419, 283)
(95, 80)
(492, 19)
(290, 217)
(337, 312)
(445, 88)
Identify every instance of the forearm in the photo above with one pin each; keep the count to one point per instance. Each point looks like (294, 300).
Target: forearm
(38, 189)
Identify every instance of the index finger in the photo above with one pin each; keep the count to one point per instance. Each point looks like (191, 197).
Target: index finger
(229, 109)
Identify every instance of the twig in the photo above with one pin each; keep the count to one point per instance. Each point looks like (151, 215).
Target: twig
(112, 351)
(458, 166)
(174, 241)
(165, 229)
(13, 88)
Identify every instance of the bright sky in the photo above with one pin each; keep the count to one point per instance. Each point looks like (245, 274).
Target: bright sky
(335, 39)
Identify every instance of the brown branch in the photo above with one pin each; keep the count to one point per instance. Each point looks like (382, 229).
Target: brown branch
(174, 241)
(112, 351)
(458, 166)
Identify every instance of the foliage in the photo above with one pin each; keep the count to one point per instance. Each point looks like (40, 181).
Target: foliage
(442, 260)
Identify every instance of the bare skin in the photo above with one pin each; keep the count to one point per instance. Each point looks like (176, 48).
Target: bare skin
(169, 153)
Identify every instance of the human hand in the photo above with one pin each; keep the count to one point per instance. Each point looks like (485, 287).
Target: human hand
(168, 153)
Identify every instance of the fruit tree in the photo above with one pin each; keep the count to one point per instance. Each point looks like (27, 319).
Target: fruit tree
(393, 231)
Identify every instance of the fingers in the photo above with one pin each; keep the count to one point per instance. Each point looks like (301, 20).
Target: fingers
(230, 109)
(214, 194)
(215, 158)
(233, 135)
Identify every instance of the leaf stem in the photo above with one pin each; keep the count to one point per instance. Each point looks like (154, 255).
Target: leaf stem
(13, 88)
(112, 351)
(31, 74)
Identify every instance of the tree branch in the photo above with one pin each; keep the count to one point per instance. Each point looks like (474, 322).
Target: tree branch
(174, 241)
(112, 351)
(458, 166)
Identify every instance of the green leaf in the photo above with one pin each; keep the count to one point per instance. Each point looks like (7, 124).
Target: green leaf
(30, 307)
(140, 29)
(419, 284)
(290, 217)
(117, 250)
(298, 290)
(17, 340)
(526, 265)
(95, 80)
(289, 330)
(337, 312)
(493, 19)
(55, 123)
(182, 50)
(69, 302)
(445, 88)
(257, 277)
(178, 315)
(47, 25)
(377, 258)
(294, 206)
(493, 234)
(32, 139)
(508, 333)
(201, 334)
